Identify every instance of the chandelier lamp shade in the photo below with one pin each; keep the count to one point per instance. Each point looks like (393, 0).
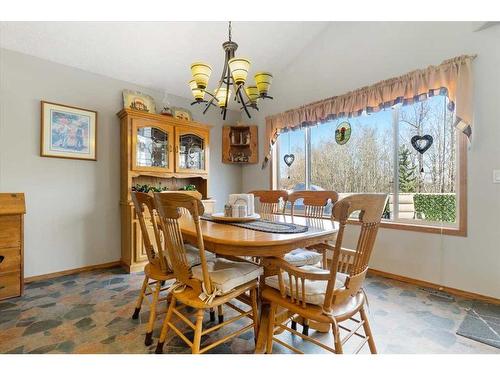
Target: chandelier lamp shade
(233, 83)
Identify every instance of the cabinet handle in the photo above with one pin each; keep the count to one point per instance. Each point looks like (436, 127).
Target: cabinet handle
(170, 148)
(1, 258)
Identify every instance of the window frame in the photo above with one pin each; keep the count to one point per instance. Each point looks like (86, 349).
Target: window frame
(429, 227)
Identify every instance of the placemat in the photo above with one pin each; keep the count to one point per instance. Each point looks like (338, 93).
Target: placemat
(263, 225)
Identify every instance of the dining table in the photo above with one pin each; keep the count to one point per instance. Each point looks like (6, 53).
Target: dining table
(226, 239)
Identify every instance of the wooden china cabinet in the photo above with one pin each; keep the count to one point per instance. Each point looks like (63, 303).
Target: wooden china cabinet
(159, 151)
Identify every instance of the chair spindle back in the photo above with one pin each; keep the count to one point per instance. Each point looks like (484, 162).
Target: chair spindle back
(143, 202)
(170, 208)
(315, 202)
(271, 201)
(371, 207)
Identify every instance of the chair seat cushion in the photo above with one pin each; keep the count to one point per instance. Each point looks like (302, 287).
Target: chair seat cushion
(302, 257)
(227, 275)
(315, 289)
(193, 255)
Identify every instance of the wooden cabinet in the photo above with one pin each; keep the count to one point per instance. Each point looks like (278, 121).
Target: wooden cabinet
(163, 152)
(240, 144)
(12, 210)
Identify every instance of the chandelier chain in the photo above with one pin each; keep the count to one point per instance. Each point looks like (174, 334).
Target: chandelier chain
(229, 30)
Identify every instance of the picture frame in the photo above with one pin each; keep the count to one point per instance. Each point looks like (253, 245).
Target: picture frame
(182, 114)
(138, 101)
(68, 132)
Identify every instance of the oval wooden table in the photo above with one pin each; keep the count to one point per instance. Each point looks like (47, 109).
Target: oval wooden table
(231, 240)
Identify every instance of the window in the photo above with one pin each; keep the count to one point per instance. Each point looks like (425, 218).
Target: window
(423, 188)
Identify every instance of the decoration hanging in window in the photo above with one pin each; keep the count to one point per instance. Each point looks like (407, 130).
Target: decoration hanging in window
(289, 158)
(343, 133)
(422, 143)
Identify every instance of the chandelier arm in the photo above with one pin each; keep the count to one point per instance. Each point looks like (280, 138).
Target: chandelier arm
(246, 95)
(244, 105)
(228, 77)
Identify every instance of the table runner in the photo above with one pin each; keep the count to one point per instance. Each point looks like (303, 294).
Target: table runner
(263, 225)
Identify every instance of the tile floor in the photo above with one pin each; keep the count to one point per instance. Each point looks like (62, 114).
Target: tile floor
(91, 313)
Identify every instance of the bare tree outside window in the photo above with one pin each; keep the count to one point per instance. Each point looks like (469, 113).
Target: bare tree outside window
(426, 184)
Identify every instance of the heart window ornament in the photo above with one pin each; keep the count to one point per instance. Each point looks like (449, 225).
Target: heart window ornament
(422, 143)
(289, 159)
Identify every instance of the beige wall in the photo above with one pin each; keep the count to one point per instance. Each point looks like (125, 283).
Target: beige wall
(72, 206)
(351, 55)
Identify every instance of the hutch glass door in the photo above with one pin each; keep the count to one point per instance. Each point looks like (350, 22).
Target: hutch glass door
(192, 151)
(152, 148)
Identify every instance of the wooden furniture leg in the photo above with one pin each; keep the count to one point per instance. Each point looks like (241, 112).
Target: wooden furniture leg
(270, 328)
(165, 327)
(255, 312)
(368, 331)
(220, 314)
(260, 346)
(141, 298)
(336, 338)
(152, 315)
(197, 332)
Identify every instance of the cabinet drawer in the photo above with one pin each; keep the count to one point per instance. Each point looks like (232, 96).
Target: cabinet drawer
(10, 285)
(10, 231)
(10, 260)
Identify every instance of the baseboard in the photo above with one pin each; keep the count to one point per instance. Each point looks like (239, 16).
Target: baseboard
(426, 284)
(72, 271)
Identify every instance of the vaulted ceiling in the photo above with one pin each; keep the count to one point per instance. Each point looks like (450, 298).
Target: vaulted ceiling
(158, 54)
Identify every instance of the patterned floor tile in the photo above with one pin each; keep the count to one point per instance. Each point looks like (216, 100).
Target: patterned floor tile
(91, 313)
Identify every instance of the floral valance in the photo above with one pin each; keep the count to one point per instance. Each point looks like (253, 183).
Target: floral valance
(452, 78)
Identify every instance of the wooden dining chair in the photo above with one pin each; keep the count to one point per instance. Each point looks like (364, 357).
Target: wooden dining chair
(210, 285)
(329, 296)
(314, 205)
(157, 271)
(271, 201)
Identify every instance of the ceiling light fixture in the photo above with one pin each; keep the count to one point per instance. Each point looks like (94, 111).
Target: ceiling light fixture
(234, 77)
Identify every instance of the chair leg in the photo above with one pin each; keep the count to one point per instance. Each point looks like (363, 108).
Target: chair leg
(255, 311)
(305, 326)
(325, 260)
(220, 314)
(336, 338)
(152, 315)
(368, 331)
(197, 332)
(212, 315)
(164, 329)
(141, 298)
(270, 328)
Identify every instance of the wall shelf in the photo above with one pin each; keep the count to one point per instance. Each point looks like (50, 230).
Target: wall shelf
(240, 144)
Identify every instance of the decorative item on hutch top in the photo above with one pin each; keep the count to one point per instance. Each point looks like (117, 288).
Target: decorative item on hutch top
(232, 82)
(68, 132)
(138, 101)
(182, 114)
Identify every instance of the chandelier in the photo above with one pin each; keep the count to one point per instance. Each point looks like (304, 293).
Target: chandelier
(233, 80)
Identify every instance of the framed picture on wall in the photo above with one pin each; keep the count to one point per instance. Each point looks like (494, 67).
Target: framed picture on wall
(68, 132)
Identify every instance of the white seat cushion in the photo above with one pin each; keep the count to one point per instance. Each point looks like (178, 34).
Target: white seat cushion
(315, 289)
(302, 257)
(227, 275)
(193, 255)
